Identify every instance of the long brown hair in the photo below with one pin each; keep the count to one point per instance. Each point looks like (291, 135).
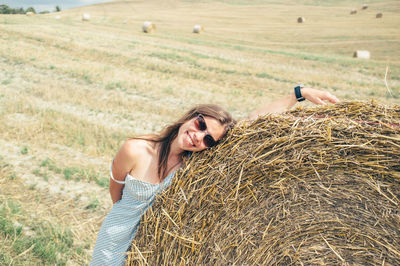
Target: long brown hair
(169, 133)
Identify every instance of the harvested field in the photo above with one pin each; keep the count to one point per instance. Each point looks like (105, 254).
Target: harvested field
(71, 92)
(315, 186)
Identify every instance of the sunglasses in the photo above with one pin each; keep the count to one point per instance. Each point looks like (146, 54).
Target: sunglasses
(201, 125)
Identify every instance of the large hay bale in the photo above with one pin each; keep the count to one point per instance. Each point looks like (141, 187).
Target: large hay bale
(301, 20)
(353, 11)
(148, 27)
(30, 14)
(379, 15)
(317, 186)
(364, 7)
(85, 17)
(197, 29)
(361, 54)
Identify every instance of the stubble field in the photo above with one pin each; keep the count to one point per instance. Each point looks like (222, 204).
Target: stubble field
(71, 92)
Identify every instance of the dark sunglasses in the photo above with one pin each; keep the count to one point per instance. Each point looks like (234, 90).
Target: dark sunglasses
(201, 125)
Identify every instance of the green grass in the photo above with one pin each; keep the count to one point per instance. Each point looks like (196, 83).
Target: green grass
(93, 204)
(7, 170)
(72, 173)
(48, 243)
(7, 227)
(77, 173)
(116, 85)
(24, 150)
(51, 244)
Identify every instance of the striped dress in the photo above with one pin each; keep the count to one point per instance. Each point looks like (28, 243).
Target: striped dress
(120, 225)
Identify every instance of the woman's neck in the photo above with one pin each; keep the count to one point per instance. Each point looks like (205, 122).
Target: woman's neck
(175, 153)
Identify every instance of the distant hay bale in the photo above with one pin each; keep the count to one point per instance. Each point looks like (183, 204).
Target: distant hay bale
(364, 6)
(301, 20)
(58, 17)
(148, 27)
(317, 186)
(361, 54)
(30, 14)
(379, 15)
(85, 17)
(353, 11)
(197, 29)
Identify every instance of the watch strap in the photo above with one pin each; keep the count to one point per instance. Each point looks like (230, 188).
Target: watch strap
(297, 92)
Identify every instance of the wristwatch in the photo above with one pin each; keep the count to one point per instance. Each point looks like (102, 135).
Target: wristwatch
(297, 92)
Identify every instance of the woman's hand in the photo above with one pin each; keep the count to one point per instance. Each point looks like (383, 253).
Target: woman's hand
(317, 96)
(287, 102)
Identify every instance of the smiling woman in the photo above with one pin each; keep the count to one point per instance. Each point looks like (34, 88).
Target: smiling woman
(145, 166)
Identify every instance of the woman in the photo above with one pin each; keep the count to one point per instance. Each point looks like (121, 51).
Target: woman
(144, 166)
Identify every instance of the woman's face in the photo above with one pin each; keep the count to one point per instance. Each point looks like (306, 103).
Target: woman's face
(191, 136)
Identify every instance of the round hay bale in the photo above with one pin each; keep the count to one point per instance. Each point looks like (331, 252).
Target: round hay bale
(58, 17)
(301, 20)
(361, 54)
(30, 14)
(364, 7)
(197, 29)
(313, 187)
(379, 15)
(85, 17)
(148, 27)
(353, 11)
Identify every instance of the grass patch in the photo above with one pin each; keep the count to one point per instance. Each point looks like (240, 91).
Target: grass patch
(6, 170)
(5, 259)
(116, 85)
(73, 173)
(47, 243)
(94, 203)
(7, 227)
(268, 76)
(50, 164)
(52, 244)
(172, 57)
(42, 173)
(12, 176)
(175, 58)
(6, 82)
(24, 150)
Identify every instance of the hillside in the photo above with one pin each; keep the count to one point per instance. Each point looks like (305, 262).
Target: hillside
(71, 92)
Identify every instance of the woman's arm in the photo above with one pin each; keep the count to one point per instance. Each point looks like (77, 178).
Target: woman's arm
(124, 162)
(287, 102)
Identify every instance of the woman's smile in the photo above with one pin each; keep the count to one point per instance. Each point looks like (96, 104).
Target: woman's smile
(190, 140)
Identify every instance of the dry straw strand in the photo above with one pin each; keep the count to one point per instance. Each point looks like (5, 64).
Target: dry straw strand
(386, 83)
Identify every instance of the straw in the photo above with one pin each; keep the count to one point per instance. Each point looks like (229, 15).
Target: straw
(286, 189)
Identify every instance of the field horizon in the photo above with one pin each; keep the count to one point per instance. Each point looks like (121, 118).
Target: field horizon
(72, 91)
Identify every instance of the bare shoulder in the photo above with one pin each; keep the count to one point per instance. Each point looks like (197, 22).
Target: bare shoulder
(136, 148)
(132, 153)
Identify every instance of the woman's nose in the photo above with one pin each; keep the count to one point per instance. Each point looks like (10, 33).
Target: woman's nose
(198, 137)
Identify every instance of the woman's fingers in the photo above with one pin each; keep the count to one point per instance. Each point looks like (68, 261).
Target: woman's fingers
(318, 100)
(327, 96)
(318, 97)
(332, 98)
